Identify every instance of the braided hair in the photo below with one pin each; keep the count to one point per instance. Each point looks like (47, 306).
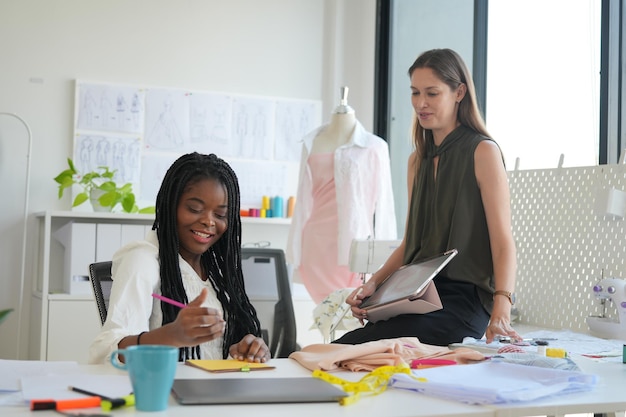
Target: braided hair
(223, 259)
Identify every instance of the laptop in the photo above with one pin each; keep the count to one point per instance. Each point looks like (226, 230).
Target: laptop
(255, 391)
(409, 290)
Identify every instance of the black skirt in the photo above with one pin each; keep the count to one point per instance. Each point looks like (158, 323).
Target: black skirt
(462, 315)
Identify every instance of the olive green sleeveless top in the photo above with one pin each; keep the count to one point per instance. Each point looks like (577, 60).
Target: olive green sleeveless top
(447, 212)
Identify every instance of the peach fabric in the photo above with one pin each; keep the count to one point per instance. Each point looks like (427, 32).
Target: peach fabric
(369, 356)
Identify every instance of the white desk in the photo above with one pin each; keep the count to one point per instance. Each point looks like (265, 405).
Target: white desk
(390, 403)
(608, 397)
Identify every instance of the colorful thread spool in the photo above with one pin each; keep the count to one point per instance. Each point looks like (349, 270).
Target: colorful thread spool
(277, 206)
(265, 203)
(291, 203)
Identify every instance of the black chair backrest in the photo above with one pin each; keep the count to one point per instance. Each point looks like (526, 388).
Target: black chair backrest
(100, 277)
(269, 290)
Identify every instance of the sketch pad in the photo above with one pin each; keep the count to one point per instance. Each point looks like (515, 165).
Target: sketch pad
(255, 391)
(227, 365)
(409, 290)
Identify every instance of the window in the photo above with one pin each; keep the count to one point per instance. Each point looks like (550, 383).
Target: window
(540, 80)
(543, 81)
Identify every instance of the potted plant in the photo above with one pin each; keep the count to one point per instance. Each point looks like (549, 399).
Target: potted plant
(100, 188)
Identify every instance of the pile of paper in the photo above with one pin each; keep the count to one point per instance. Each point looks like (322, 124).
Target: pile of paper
(494, 382)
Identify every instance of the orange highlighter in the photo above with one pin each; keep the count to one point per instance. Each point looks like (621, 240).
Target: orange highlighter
(60, 405)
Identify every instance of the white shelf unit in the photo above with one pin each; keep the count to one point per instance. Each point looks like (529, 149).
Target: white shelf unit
(63, 325)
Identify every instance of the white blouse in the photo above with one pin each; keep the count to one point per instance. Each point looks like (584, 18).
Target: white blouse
(365, 202)
(132, 309)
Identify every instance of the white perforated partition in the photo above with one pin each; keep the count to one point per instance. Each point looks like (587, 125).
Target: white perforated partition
(563, 244)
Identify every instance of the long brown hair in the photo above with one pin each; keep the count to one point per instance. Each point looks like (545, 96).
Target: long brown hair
(449, 67)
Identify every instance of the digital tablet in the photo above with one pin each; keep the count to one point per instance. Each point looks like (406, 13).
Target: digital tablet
(408, 290)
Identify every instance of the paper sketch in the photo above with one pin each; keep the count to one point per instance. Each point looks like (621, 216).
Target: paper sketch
(253, 128)
(110, 108)
(210, 129)
(167, 119)
(294, 119)
(118, 153)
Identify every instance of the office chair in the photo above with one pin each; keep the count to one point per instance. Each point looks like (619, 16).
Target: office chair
(100, 277)
(268, 288)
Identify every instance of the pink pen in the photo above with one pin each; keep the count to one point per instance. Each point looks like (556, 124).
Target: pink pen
(168, 300)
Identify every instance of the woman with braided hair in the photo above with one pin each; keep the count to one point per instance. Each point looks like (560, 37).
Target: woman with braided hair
(193, 256)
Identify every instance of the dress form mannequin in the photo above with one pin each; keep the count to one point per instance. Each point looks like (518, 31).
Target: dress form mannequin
(320, 270)
(344, 193)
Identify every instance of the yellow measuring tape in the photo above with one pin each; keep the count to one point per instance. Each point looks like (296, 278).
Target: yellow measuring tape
(373, 383)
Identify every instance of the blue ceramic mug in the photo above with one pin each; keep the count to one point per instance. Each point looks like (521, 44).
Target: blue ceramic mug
(151, 369)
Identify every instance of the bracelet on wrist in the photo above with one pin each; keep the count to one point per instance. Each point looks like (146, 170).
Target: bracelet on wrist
(139, 338)
(507, 294)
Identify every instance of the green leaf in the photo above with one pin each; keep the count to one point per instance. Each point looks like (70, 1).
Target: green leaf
(108, 186)
(4, 314)
(108, 174)
(148, 210)
(80, 199)
(62, 188)
(109, 199)
(71, 164)
(126, 188)
(65, 180)
(89, 177)
(128, 202)
(64, 177)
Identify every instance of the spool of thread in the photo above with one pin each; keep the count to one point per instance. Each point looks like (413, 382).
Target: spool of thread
(624, 354)
(244, 213)
(556, 353)
(263, 213)
(541, 350)
(266, 203)
(277, 206)
(291, 203)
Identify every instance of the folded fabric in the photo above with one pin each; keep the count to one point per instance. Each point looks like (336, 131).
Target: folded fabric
(369, 356)
(494, 382)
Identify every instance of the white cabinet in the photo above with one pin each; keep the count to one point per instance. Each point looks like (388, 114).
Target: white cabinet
(63, 324)
(72, 324)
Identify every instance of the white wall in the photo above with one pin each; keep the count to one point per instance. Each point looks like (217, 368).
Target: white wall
(303, 49)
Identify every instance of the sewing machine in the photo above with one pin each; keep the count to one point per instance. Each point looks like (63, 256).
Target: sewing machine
(609, 290)
(367, 255)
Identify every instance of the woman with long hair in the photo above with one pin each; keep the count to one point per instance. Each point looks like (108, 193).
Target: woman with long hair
(192, 256)
(458, 199)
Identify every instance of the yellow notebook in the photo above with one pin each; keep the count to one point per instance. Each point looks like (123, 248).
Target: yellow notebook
(227, 365)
